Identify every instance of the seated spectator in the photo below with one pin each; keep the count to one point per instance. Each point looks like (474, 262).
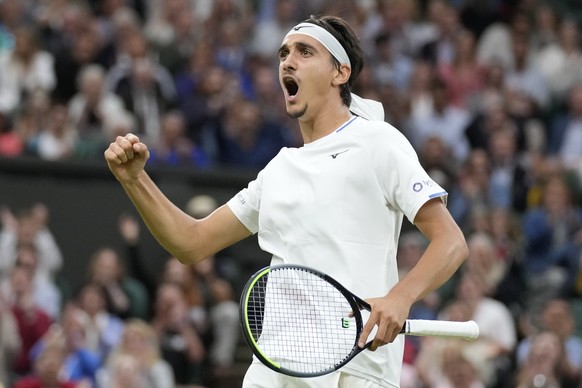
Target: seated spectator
(497, 327)
(551, 257)
(445, 121)
(464, 75)
(89, 109)
(48, 371)
(26, 69)
(104, 329)
(139, 350)
(125, 373)
(556, 317)
(542, 363)
(80, 363)
(180, 344)
(45, 292)
(146, 87)
(29, 227)
(559, 63)
(242, 137)
(57, 139)
(173, 147)
(445, 362)
(126, 297)
(32, 321)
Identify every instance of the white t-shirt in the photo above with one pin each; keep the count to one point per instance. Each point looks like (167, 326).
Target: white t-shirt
(337, 205)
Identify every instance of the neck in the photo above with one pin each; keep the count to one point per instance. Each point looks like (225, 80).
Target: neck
(321, 124)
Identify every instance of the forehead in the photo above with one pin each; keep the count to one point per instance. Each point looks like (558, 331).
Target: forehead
(302, 40)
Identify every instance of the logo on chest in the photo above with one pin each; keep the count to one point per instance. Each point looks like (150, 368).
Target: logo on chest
(334, 156)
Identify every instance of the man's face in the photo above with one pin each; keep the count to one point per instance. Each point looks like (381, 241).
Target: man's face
(306, 72)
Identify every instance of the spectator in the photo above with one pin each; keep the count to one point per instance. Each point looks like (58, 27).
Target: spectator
(484, 261)
(30, 227)
(206, 102)
(471, 190)
(509, 179)
(58, 138)
(524, 76)
(446, 121)
(138, 351)
(560, 63)
(173, 147)
(126, 297)
(32, 321)
(497, 327)
(551, 254)
(146, 88)
(46, 295)
(541, 366)
(443, 362)
(89, 110)
(47, 371)
(435, 157)
(70, 334)
(180, 344)
(183, 33)
(464, 77)
(242, 137)
(26, 69)
(555, 317)
(440, 50)
(104, 329)
(78, 44)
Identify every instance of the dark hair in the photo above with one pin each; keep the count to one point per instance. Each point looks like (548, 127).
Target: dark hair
(346, 36)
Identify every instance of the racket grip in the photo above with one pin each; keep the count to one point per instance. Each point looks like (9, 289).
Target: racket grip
(468, 330)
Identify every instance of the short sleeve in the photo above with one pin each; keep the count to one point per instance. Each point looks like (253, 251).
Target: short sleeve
(404, 182)
(246, 204)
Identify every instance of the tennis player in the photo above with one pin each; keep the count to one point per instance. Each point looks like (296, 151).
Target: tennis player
(335, 204)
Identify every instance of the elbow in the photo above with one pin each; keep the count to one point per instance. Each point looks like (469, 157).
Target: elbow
(189, 258)
(461, 250)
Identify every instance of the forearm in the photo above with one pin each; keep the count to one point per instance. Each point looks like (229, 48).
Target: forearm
(439, 262)
(170, 226)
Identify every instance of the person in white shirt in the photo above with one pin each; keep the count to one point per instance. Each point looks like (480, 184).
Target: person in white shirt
(335, 204)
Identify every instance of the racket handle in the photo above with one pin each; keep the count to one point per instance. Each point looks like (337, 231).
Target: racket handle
(468, 330)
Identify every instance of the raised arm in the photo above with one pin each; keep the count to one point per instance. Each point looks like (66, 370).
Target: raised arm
(445, 253)
(186, 238)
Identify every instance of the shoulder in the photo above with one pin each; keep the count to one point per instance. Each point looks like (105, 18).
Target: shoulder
(378, 135)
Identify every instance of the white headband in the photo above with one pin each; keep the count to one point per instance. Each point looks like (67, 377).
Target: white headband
(324, 37)
(369, 109)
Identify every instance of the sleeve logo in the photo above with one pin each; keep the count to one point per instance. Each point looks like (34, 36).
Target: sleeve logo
(418, 186)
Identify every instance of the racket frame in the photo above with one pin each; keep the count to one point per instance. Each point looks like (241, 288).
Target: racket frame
(354, 301)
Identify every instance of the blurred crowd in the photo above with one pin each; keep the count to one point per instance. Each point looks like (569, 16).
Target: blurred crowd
(489, 92)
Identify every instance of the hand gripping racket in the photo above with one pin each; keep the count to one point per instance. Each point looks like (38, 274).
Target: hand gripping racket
(303, 323)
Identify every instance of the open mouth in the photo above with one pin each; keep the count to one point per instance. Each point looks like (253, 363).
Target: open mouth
(291, 86)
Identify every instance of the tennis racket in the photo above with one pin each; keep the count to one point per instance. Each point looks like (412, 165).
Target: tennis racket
(303, 323)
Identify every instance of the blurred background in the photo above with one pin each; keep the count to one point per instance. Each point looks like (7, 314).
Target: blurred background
(489, 92)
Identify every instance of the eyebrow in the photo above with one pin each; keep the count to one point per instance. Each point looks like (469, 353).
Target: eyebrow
(298, 45)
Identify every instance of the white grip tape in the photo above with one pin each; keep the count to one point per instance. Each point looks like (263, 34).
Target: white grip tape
(468, 330)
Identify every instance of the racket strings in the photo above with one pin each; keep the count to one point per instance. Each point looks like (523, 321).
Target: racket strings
(300, 321)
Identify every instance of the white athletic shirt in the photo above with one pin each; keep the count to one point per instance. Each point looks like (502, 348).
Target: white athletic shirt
(337, 205)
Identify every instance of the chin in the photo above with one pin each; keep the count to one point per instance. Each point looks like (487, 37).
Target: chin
(297, 112)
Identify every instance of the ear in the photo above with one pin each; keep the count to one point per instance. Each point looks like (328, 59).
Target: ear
(342, 75)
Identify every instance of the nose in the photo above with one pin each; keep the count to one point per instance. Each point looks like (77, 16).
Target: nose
(289, 63)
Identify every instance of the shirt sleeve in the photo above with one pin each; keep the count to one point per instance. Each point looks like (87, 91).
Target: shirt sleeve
(246, 204)
(404, 182)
